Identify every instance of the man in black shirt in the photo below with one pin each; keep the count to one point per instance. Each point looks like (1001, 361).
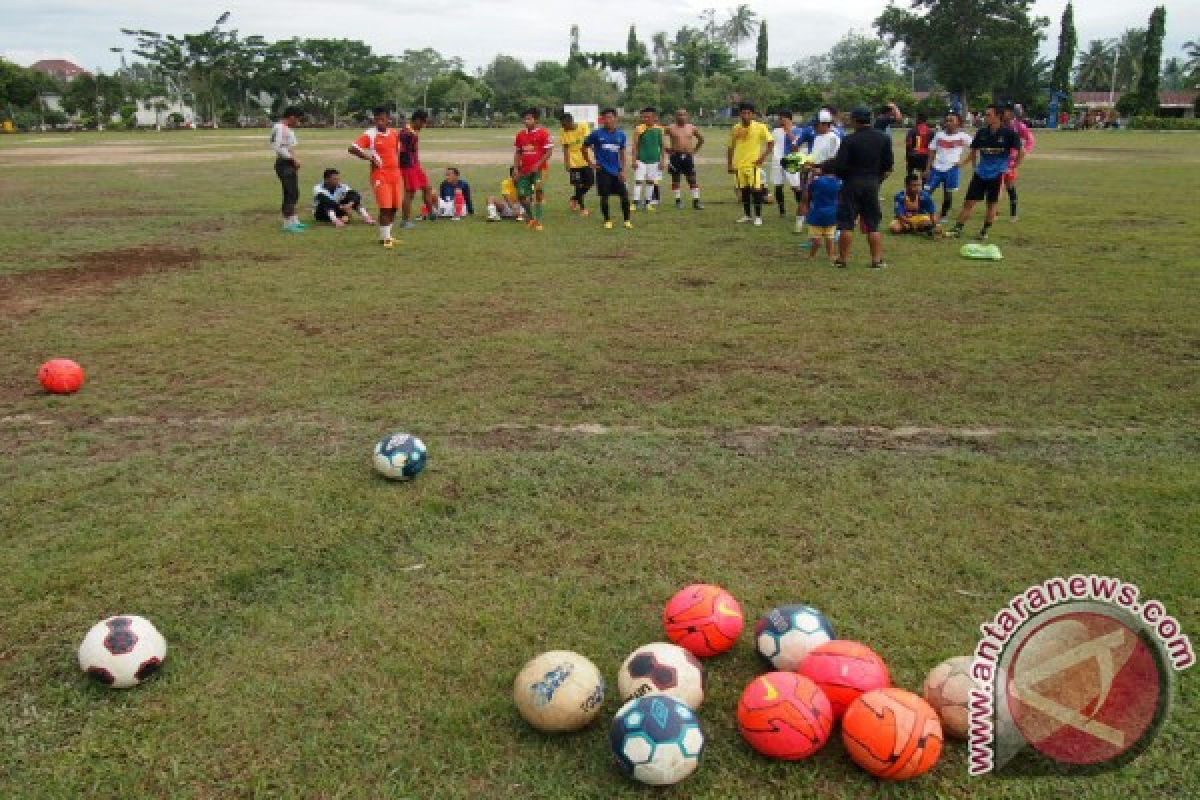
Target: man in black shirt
(863, 162)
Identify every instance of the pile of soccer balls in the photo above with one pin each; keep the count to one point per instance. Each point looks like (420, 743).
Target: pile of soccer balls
(816, 681)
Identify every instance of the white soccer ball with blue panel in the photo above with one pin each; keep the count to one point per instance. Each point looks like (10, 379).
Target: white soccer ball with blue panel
(785, 635)
(400, 457)
(656, 739)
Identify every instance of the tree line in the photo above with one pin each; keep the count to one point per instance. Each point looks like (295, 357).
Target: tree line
(975, 49)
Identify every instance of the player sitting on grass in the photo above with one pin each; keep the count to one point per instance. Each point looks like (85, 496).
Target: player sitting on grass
(915, 211)
(605, 149)
(336, 202)
(534, 145)
(823, 191)
(448, 195)
(508, 204)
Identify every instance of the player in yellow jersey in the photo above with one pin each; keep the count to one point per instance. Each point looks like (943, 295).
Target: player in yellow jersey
(581, 174)
(750, 145)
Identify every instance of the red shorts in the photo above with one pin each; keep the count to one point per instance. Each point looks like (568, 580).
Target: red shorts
(415, 179)
(389, 188)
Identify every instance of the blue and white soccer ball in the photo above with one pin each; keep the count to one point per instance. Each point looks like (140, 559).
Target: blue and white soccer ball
(656, 739)
(400, 457)
(786, 634)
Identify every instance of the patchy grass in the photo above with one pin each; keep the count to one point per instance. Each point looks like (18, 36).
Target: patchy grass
(610, 414)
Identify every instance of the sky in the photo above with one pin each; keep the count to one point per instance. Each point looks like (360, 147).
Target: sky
(475, 30)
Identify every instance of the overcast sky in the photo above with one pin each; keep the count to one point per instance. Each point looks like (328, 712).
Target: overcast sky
(83, 30)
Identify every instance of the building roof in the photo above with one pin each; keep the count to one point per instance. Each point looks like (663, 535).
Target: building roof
(60, 68)
(1183, 99)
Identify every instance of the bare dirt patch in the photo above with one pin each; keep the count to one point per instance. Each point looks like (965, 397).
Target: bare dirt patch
(29, 292)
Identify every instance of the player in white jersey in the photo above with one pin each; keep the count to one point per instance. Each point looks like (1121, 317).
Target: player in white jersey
(287, 166)
(947, 146)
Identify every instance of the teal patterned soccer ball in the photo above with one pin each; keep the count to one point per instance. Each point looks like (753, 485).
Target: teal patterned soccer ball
(400, 457)
(656, 739)
(786, 634)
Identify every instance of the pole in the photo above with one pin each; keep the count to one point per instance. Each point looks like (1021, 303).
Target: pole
(1116, 60)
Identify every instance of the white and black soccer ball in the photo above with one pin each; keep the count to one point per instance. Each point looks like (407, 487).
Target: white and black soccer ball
(122, 651)
(662, 667)
(400, 457)
(785, 635)
(656, 739)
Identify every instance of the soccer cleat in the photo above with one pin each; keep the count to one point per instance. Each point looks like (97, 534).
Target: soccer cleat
(697, 205)
(743, 220)
(982, 235)
(293, 227)
(608, 226)
(628, 224)
(537, 226)
(678, 203)
(652, 208)
(388, 243)
(878, 265)
(1013, 218)
(758, 222)
(840, 264)
(408, 225)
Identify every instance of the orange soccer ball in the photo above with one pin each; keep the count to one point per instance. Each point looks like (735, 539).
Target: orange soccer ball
(844, 670)
(704, 619)
(892, 734)
(61, 376)
(785, 715)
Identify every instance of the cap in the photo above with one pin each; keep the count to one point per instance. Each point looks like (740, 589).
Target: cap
(861, 114)
(824, 116)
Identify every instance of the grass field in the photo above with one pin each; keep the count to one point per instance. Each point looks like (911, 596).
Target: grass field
(611, 415)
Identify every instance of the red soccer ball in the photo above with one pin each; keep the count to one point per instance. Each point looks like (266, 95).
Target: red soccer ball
(844, 670)
(61, 376)
(785, 715)
(703, 619)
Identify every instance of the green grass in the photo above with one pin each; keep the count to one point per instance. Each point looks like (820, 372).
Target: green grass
(335, 636)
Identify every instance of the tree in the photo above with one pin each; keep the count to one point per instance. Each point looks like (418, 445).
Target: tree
(462, 93)
(333, 86)
(1064, 62)
(1095, 66)
(1192, 65)
(858, 60)
(764, 93)
(967, 43)
(1173, 76)
(741, 25)
(422, 67)
(1147, 87)
(813, 70)
(591, 86)
(509, 79)
(636, 57)
(760, 57)
(1129, 51)
(714, 93)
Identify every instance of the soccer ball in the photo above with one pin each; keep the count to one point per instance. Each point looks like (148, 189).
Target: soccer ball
(61, 376)
(703, 618)
(400, 457)
(785, 635)
(559, 691)
(892, 734)
(948, 689)
(656, 739)
(665, 668)
(785, 715)
(844, 670)
(123, 651)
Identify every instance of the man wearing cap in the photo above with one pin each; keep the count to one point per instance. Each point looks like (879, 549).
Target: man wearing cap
(863, 161)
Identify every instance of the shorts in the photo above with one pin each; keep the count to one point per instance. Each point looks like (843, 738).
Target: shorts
(389, 189)
(414, 178)
(608, 184)
(859, 201)
(583, 177)
(949, 179)
(984, 188)
(915, 222)
(822, 231)
(750, 177)
(648, 173)
(530, 183)
(916, 162)
(682, 165)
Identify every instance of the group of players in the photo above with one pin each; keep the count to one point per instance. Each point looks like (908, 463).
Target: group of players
(835, 186)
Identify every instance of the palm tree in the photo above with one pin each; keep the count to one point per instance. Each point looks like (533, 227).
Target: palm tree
(1095, 66)
(1132, 45)
(1192, 65)
(741, 25)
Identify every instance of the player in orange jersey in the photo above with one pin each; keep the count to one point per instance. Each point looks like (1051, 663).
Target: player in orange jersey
(380, 145)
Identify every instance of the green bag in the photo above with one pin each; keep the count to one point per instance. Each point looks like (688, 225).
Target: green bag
(986, 252)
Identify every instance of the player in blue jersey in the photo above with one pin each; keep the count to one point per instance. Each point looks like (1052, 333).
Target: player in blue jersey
(605, 150)
(823, 194)
(991, 151)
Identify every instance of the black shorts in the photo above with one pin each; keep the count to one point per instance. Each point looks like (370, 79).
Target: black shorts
(859, 200)
(583, 178)
(916, 162)
(682, 165)
(608, 184)
(981, 188)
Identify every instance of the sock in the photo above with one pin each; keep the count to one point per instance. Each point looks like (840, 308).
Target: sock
(958, 226)
(385, 232)
(678, 194)
(537, 211)
(779, 200)
(947, 203)
(492, 211)
(746, 201)
(637, 193)
(655, 197)
(625, 206)
(604, 207)
(758, 203)
(696, 193)
(986, 226)
(333, 217)
(1012, 201)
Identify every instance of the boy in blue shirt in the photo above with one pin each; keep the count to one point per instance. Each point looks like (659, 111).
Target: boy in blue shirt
(823, 194)
(604, 149)
(915, 211)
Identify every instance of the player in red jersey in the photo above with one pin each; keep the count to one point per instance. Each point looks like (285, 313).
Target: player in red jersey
(534, 147)
(415, 179)
(381, 146)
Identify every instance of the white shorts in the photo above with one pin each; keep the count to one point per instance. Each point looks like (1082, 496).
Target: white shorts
(780, 176)
(648, 173)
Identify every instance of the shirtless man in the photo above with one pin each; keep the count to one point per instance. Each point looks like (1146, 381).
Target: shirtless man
(684, 141)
